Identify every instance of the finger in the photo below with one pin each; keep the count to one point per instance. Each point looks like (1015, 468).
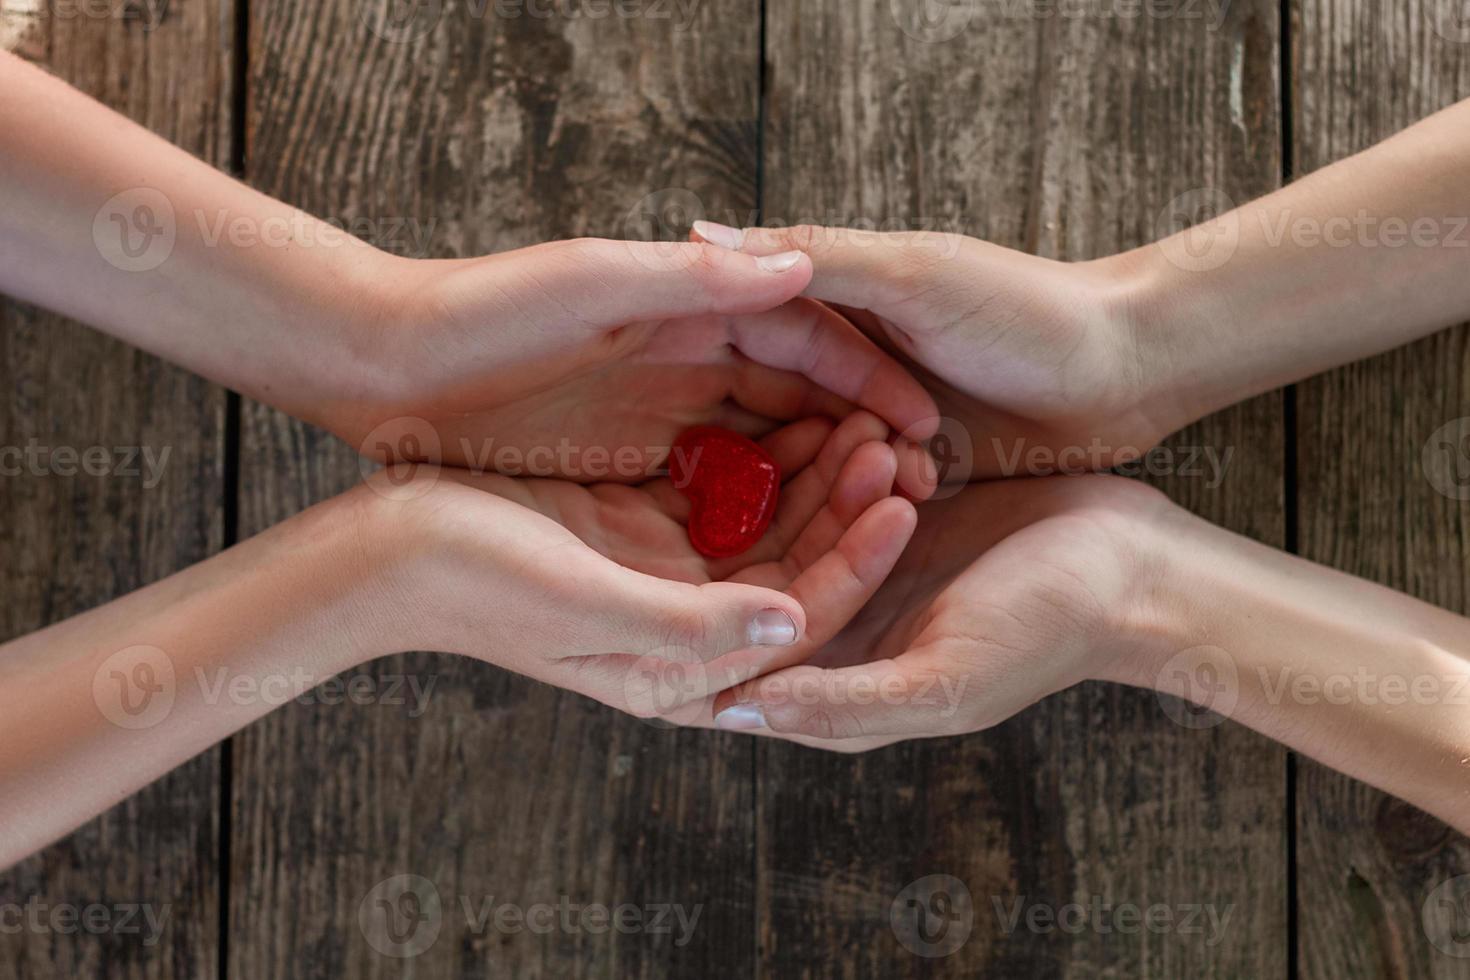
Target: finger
(820, 344)
(876, 271)
(834, 588)
(804, 494)
(651, 617)
(605, 284)
(779, 394)
(865, 480)
(918, 473)
(909, 696)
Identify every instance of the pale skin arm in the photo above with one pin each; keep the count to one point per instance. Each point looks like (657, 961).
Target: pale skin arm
(600, 344)
(1364, 679)
(598, 585)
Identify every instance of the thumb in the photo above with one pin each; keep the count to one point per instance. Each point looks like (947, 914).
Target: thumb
(877, 271)
(608, 283)
(675, 621)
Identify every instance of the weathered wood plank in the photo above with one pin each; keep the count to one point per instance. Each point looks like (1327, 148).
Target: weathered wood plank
(1368, 865)
(74, 540)
(496, 132)
(1067, 136)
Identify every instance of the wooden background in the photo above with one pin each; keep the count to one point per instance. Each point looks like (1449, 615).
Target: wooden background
(1065, 127)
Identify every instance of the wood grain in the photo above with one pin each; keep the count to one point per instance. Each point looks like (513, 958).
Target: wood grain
(1367, 863)
(73, 542)
(496, 132)
(1066, 136)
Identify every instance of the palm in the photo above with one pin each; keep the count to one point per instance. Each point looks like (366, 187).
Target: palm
(1005, 396)
(1004, 590)
(610, 409)
(835, 533)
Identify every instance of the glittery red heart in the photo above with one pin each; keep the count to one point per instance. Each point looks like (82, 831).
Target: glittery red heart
(732, 484)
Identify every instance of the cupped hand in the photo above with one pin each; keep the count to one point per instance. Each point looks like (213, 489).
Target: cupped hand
(585, 359)
(597, 588)
(956, 643)
(1038, 362)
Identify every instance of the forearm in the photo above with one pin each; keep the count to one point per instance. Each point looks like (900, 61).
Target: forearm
(94, 708)
(1358, 258)
(105, 222)
(1364, 679)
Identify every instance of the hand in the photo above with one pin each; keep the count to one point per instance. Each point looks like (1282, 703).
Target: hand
(585, 359)
(1102, 578)
(603, 594)
(1024, 353)
(953, 643)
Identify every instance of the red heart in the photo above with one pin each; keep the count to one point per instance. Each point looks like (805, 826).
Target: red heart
(732, 484)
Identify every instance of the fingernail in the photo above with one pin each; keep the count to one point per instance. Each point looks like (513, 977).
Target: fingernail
(741, 718)
(771, 628)
(721, 235)
(784, 262)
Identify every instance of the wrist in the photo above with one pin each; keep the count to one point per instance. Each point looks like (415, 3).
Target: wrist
(361, 567)
(1163, 317)
(1162, 615)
